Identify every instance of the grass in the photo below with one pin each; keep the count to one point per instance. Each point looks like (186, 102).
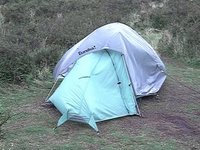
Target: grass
(29, 129)
(33, 137)
(31, 126)
(185, 74)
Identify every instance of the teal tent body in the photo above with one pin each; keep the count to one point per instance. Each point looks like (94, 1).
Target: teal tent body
(97, 88)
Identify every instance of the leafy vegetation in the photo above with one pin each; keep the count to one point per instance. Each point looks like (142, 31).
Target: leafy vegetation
(35, 33)
(181, 21)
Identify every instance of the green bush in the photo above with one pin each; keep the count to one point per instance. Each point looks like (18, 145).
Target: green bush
(158, 21)
(182, 19)
(36, 33)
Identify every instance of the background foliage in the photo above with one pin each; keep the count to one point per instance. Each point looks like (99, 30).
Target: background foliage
(34, 34)
(181, 21)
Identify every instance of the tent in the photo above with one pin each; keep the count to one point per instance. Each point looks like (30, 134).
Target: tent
(104, 74)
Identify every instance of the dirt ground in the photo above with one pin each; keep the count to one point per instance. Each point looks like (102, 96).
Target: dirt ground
(174, 111)
(171, 114)
(172, 118)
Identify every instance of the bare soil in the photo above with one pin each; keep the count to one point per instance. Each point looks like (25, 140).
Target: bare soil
(167, 114)
(171, 114)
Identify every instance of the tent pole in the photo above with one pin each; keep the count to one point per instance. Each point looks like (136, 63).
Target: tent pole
(51, 89)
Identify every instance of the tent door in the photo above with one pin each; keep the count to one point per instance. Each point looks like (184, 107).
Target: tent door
(124, 82)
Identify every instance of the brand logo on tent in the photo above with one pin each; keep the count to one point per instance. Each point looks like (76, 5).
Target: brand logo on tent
(87, 50)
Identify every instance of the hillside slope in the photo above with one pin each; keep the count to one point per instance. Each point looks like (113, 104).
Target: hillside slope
(34, 33)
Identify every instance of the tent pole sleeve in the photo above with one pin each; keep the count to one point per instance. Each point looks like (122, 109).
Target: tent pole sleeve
(46, 99)
(113, 66)
(132, 86)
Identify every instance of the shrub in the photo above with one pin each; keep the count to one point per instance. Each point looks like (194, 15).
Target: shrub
(35, 33)
(182, 19)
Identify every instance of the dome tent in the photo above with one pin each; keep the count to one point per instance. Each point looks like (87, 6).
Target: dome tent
(104, 73)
